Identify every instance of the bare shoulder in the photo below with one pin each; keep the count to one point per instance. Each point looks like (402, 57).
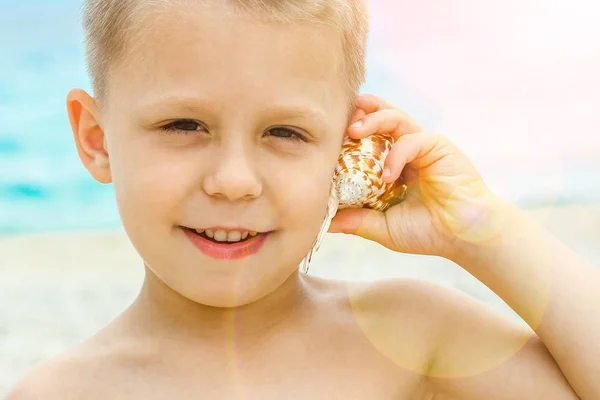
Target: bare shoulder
(406, 300)
(399, 318)
(466, 349)
(428, 315)
(92, 370)
(65, 377)
(430, 305)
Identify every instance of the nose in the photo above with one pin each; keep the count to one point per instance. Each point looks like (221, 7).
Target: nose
(233, 176)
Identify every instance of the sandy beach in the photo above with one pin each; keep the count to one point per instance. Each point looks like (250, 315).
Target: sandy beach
(57, 289)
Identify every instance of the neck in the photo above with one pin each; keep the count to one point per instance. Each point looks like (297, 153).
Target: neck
(159, 310)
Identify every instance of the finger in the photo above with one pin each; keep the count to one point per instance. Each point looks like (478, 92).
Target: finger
(408, 175)
(419, 150)
(393, 122)
(370, 104)
(363, 222)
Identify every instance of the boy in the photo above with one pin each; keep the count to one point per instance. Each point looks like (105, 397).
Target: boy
(219, 124)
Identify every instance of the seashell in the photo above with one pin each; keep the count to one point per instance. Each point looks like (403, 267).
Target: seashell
(358, 176)
(358, 182)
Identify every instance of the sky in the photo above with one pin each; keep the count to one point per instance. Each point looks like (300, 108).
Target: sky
(514, 82)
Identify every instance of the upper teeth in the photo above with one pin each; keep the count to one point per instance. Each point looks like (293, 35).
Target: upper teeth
(231, 236)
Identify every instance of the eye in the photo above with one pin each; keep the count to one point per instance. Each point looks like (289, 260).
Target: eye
(287, 134)
(185, 126)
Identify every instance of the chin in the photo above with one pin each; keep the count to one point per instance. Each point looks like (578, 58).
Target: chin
(220, 296)
(231, 290)
(224, 284)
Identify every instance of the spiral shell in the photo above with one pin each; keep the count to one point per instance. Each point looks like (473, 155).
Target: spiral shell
(358, 182)
(358, 177)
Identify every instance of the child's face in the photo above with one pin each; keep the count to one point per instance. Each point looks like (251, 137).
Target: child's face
(243, 88)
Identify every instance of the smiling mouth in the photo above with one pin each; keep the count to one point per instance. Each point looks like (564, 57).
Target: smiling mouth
(225, 238)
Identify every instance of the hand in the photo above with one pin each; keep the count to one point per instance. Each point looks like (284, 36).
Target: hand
(447, 202)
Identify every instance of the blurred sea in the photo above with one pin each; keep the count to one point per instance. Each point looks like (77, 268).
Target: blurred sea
(44, 187)
(42, 183)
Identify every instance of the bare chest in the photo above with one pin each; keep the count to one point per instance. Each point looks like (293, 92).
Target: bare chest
(316, 384)
(329, 375)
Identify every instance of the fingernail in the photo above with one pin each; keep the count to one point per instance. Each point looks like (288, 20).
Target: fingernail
(357, 124)
(386, 173)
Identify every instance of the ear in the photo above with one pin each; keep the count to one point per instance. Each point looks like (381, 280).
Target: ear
(88, 134)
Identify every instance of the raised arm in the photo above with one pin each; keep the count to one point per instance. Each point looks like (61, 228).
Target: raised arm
(450, 212)
(554, 290)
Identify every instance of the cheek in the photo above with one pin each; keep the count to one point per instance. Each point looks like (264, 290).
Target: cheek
(148, 183)
(304, 194)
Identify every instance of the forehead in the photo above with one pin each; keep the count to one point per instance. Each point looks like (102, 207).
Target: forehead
(230, 58)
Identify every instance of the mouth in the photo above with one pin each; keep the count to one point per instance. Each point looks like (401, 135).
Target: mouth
(224, 237)
(230, 244)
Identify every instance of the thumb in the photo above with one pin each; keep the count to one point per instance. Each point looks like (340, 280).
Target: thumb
(363, 222)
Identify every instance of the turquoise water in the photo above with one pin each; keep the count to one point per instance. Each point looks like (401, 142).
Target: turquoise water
(42, 183)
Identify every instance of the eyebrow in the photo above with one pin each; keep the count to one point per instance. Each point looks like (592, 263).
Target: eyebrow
(195, 104)
(297, 112)
(176, 103)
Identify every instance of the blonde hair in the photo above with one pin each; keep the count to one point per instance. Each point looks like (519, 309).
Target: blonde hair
(107, 23)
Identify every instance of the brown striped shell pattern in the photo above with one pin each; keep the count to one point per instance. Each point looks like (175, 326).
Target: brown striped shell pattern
(358, 182)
